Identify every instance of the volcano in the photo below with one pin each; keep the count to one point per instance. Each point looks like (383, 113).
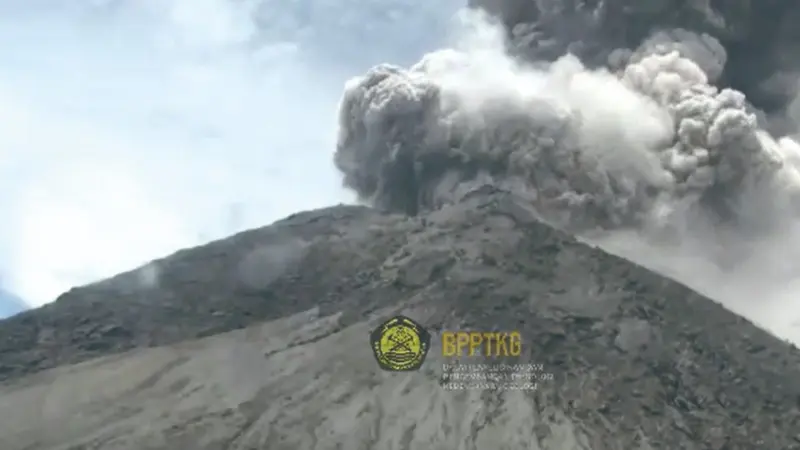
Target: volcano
(490, 186)
(261, 340)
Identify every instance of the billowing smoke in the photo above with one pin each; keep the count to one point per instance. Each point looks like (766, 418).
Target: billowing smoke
(590, 148)
(646, 147)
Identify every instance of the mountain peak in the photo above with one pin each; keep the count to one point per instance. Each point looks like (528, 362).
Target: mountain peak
(633, 357)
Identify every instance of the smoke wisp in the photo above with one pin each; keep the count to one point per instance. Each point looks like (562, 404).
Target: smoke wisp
(646, 158)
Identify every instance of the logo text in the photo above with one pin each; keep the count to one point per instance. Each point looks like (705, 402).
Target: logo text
(485, 343)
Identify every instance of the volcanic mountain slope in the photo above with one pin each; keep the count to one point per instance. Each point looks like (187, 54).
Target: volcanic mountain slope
(639, 361)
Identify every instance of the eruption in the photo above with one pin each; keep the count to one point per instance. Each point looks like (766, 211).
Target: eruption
(641, 145)
(650, 155)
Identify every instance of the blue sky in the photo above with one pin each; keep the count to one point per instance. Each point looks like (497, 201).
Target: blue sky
(130, 129)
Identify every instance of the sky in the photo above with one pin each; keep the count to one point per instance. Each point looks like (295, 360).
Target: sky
(131, 129)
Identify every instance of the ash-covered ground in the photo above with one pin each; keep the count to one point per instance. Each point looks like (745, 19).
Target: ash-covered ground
(637, 360)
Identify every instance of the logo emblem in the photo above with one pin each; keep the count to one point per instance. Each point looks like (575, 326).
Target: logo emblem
(400, 344)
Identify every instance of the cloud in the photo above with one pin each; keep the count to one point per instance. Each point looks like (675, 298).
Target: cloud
(129, 130)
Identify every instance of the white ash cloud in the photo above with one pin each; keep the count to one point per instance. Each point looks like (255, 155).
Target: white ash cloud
(645, 151)
(590, 148)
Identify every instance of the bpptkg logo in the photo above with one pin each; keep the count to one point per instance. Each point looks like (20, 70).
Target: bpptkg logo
(400, 344)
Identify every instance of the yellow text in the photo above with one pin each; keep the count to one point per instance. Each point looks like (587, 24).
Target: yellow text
(486, 343)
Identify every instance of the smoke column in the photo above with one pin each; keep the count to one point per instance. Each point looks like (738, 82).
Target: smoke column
(646, 157)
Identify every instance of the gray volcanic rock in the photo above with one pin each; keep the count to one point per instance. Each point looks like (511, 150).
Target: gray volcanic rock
(639, 361)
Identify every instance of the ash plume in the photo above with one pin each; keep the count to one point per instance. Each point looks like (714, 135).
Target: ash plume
(590, 148)
(643, 155)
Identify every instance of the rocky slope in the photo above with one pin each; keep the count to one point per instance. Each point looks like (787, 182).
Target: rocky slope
(639, 362)
(261, 340)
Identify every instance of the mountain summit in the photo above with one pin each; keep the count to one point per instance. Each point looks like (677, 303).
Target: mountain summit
(637, 361)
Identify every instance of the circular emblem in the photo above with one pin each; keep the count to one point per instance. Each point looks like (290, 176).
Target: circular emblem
(400, 344)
